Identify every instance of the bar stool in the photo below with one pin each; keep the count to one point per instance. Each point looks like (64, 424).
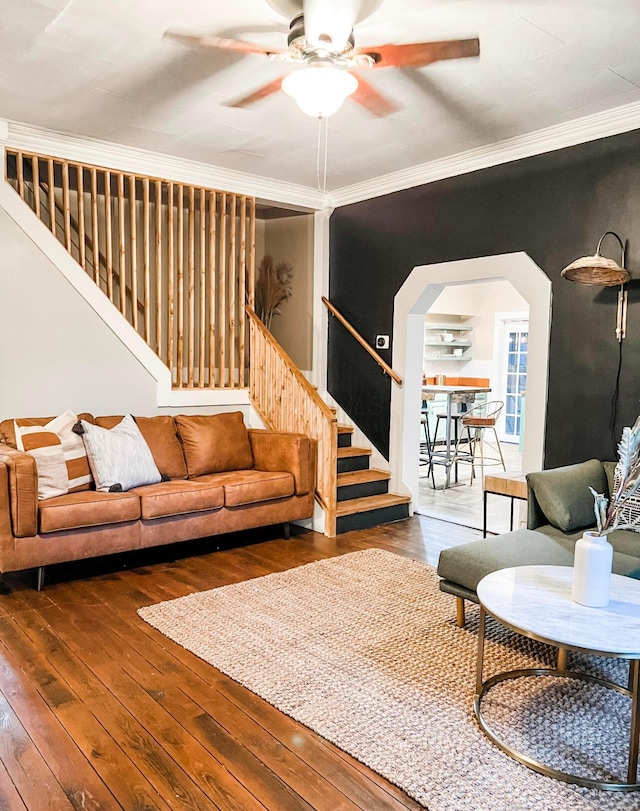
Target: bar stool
(426, 445)
(462, 399)
(479, 419)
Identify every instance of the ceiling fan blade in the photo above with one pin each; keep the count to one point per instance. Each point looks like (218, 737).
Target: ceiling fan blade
(375, 102)
(206, 41)
(419, 54)
(260, 93)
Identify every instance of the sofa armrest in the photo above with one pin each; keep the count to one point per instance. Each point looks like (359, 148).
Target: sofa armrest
(284, 451)
(21, 500)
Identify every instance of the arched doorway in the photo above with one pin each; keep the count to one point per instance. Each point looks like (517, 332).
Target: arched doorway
(412, 301)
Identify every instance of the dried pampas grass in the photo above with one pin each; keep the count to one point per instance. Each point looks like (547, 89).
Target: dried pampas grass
(274, 285)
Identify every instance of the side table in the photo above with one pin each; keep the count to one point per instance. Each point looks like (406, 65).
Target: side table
(535, 601)
(513, 485)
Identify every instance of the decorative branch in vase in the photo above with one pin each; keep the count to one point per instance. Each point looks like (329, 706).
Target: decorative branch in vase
(593, 556)
(274, 285)
(616, 513)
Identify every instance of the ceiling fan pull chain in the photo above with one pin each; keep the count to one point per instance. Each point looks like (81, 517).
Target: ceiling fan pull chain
(326, 152)
(321, 165)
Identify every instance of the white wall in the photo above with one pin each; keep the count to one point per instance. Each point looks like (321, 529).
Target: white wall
(55, 352)
(480, 302)
(290, 239)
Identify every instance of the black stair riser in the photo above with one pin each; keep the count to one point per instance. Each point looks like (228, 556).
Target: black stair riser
(385, 515)
(363, 489)
(344, 440)
(350, 463)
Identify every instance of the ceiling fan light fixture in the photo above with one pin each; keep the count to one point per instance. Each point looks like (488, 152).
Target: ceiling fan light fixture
(319, 90)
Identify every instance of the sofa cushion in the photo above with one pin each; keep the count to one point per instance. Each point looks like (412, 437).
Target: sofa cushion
(564, 496)
(87, 509)
(251, 486)
(214, 443)
(73, 450)
(161, 436)
(624, 541)
(466, 564)
(178, 497)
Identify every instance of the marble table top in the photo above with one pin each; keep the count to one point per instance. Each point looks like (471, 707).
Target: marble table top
(536, 601)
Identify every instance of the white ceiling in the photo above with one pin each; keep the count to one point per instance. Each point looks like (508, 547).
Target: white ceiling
(102, 68)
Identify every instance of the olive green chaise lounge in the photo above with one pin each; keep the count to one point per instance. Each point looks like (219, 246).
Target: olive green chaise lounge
(559, 510)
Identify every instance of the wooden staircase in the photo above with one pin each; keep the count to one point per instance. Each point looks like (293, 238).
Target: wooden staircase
(363, 498)
(178, 261)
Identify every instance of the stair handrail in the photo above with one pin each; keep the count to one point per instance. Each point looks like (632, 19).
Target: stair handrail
(354, 332)
(285, 400)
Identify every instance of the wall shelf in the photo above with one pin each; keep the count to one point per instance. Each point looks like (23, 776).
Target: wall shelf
(447, 343)
(458, 332)
(447, 327)
(447, 357)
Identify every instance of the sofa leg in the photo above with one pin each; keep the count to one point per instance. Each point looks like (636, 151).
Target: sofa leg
(287, 530)
(40, 582)
(460, 618)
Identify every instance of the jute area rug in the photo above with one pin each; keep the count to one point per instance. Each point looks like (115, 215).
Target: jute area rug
(364, 650)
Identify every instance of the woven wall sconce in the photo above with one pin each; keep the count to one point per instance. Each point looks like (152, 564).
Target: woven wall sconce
(602, 272)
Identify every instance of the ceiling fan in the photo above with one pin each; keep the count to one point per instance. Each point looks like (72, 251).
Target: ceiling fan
(321, 41)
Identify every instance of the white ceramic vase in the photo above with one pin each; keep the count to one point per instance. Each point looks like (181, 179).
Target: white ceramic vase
(592, 563)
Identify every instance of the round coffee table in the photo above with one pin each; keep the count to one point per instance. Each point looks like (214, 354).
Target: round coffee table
(535, 601)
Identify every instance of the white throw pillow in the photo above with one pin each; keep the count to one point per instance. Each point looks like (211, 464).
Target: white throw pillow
(61, 459)
(119, 457)
(629, 514)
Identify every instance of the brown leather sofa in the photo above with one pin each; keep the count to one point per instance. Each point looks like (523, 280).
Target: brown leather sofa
(271, 483)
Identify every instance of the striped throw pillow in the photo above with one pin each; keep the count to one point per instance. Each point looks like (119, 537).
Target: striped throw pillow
(75, 455)
(46, 449)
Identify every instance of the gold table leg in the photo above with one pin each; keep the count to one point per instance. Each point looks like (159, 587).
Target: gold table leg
(480, 659)
(562, 659)
(634, 733)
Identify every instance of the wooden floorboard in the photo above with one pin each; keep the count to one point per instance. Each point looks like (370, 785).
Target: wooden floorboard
(101, 711)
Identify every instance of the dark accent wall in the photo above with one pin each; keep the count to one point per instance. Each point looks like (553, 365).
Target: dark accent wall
(554, 207)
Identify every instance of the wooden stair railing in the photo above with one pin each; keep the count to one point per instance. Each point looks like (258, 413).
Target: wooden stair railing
(177, 260)
(88, 263)
(285, 400)
(354, 332)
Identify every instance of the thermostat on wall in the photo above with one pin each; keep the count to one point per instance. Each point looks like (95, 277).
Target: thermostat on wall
(382, 342)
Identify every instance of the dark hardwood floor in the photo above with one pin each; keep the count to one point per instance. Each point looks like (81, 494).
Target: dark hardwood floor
(100, 711)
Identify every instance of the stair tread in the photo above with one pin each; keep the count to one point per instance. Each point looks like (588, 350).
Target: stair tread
(368, 503)
(362, 476)
(351, 451)
(345, 429)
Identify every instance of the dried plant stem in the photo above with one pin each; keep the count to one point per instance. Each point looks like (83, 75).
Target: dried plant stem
(274, 286)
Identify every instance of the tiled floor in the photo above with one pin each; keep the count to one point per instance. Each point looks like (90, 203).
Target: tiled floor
(462, 504)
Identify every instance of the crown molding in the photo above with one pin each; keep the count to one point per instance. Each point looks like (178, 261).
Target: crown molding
(113, 156)
(579, 131)
(131, 159)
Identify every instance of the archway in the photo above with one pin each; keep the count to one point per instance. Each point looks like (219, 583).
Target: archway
(415, 297)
